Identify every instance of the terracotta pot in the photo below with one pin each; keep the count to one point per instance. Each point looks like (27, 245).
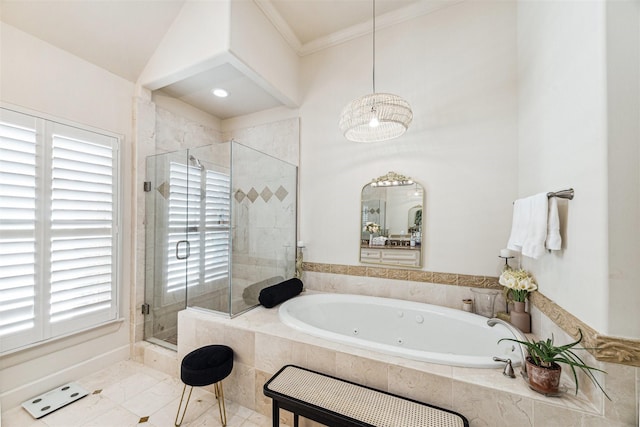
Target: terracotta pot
(544, 380)
(520, 318)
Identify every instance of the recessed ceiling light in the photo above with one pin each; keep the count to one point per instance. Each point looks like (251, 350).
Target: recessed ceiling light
(220, 93)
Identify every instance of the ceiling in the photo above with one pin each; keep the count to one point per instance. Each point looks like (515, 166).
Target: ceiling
(121, 36)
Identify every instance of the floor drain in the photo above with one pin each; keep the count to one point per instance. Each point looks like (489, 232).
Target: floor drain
(53, 400)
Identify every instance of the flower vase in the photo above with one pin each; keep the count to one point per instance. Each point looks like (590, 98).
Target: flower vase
(520, 318)
(371, 239)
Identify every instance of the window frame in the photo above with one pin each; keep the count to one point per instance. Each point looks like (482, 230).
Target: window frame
(44, 331)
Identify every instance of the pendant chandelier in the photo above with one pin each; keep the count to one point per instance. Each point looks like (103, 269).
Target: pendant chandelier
(377, 116)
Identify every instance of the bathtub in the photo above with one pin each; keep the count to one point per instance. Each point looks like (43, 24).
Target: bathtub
(417, 331)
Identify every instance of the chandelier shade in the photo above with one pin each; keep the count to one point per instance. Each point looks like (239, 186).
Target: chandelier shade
(375, 117)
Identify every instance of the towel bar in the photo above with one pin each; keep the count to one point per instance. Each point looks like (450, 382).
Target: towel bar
(563, 194)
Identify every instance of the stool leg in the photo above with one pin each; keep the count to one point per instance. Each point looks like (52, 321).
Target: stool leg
(220, 398)
(185, 405)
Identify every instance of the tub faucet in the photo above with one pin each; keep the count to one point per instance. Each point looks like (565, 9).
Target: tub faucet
(517, 334)
(508, 369)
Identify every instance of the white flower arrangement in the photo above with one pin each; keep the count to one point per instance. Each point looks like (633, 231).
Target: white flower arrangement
(519, 282)
(371, 227)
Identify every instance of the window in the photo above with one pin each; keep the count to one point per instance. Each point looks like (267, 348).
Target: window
(58, 229)
(198, 238)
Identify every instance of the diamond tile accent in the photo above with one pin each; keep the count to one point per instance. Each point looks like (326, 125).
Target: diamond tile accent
(239, 196)
(252, 194)
(281, 193)
(266, 194)
(163, 189)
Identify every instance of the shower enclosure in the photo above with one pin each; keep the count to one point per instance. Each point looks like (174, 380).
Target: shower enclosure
(220, 226)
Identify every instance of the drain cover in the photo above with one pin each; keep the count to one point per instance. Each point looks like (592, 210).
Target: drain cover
(55, 399)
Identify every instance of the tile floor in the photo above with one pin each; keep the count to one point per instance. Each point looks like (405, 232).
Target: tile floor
(131, 394)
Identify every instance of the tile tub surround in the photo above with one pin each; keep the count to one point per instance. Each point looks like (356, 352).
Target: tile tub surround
(605, 348)
(262, 345)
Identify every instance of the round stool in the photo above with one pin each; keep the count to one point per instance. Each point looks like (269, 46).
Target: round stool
(204, 366)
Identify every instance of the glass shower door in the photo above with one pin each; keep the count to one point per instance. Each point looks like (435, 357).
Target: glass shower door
(172, 205)
(220, 226)
(209, 229)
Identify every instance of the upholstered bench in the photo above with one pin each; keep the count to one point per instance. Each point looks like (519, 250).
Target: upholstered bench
(336, 403)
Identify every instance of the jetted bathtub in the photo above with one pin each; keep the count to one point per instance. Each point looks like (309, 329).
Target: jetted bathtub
(408, 329)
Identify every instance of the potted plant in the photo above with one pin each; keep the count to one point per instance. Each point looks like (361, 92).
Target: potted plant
(543, 364)
(519, 283)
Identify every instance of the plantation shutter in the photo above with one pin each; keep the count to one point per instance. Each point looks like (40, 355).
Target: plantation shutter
(83, 206)
(58, 229)
(18, 203)
(183, 255)
(217, 212)
(198, 218)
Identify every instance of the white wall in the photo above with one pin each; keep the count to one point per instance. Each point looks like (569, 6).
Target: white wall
(207, 34)
(623, 134)
(40, 77)
(262, 54)
(578, 128)
(457, 69)
(196, 41)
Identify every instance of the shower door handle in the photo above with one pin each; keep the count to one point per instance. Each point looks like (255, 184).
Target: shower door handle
(188, 249)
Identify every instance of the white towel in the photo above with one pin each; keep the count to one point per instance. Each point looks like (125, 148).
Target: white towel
(519, 225)
(554, 241)
(529, 226)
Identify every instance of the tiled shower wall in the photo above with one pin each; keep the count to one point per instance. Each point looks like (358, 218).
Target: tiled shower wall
(264, 219)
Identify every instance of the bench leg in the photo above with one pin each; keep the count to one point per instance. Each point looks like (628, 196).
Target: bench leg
(276, 414)
(295, 420)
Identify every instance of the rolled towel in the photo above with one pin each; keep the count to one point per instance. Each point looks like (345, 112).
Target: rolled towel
(274, 295)
(250, 293)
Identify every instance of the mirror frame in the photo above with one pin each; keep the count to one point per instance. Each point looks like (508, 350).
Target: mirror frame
(375, 254)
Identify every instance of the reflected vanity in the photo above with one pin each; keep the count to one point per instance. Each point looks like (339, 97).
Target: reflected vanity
(392, 221)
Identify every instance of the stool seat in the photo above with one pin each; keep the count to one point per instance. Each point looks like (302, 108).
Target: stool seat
(206, 365)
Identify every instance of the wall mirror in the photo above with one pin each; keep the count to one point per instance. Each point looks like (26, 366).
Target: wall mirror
(391, 221)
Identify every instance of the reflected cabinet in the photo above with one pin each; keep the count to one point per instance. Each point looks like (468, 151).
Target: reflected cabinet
(392, 221)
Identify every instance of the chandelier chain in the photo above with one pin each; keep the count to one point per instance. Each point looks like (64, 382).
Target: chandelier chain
(376, 116)
(374, 46)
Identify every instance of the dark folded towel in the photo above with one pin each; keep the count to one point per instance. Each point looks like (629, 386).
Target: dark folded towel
(274, 295)
(250, 293)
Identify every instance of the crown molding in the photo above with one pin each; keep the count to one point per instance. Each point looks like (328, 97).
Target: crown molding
(395, 17)
(280, 24)
(389, 19)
